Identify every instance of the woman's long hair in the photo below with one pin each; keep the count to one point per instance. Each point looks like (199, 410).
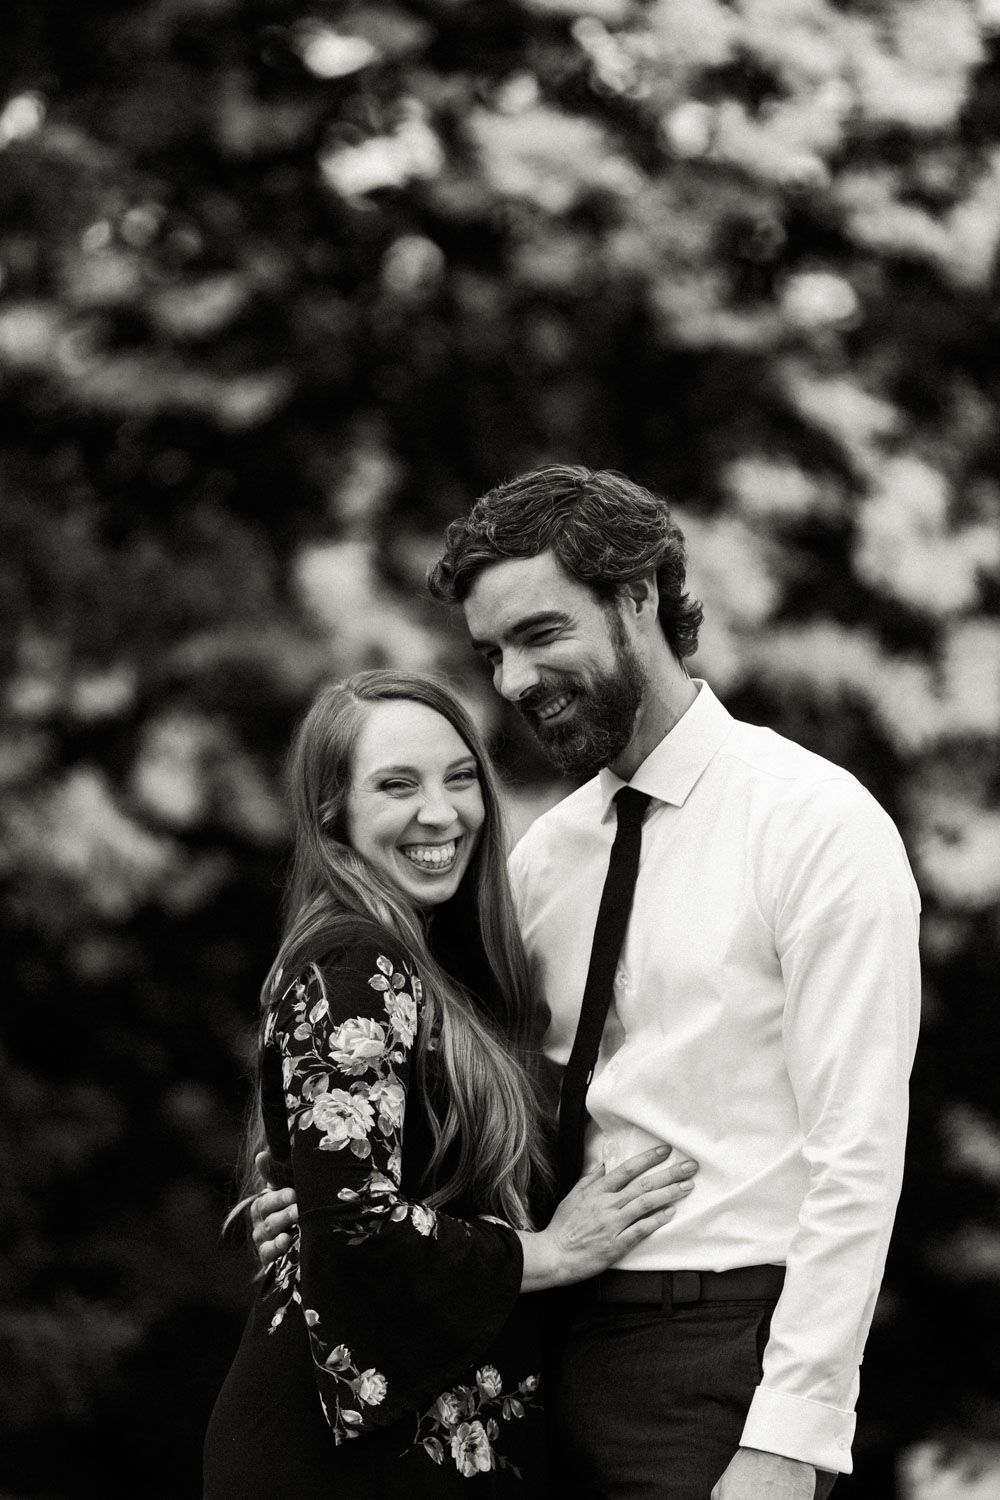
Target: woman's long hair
(482, 1096)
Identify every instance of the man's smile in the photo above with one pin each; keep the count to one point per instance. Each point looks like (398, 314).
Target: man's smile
(555, 706)
(552, 708)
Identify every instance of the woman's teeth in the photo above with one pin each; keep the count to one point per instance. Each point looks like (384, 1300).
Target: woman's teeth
(432, 856)
(554, 706)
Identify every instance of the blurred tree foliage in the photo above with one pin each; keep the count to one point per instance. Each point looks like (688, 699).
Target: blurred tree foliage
(282, 287)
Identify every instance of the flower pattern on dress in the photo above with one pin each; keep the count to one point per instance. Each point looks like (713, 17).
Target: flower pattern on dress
(366, 1387)
(368, 1113)
(343, 1093)
(465, 1422)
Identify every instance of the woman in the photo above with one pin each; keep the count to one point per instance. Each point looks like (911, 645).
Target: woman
(389, 1350)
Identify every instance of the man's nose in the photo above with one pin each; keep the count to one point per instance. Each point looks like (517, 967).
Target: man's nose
(516, 676)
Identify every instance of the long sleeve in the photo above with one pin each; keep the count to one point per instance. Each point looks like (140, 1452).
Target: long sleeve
(399, 1299)
(845, 915)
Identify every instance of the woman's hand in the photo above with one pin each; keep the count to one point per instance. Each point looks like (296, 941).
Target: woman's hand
(603, 1216)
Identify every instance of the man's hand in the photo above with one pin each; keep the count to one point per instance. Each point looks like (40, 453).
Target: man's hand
(755, 1475)
(273, 1215)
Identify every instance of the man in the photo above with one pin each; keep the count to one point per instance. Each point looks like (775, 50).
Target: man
(763, 1015)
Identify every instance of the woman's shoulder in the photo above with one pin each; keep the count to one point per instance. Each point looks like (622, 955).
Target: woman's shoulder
(355, 972)
(363, 948)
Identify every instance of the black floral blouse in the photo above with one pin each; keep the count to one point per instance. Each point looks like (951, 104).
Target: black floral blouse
(389, 1347)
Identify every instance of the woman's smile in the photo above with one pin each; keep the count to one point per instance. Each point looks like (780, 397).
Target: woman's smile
(434, 858)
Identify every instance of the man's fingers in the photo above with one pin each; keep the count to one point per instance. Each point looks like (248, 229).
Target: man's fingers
(273, 1227)
(271, 1213)
(270, 1250)
(274, 1201)
(262, 1161)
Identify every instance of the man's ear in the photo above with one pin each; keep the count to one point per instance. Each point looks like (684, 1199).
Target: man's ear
(643, 596)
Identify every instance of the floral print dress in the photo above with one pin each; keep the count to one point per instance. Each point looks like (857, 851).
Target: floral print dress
(389, 1352)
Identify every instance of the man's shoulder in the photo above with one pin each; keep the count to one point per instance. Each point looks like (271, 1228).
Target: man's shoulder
(800, 795)
(762, 752)
(580, 808)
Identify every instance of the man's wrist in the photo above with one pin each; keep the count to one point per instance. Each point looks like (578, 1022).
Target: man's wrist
(754, 1472)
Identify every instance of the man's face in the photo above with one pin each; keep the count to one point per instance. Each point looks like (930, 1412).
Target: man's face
(561, 657)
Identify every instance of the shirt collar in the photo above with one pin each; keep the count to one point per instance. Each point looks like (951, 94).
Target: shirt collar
(672, 767)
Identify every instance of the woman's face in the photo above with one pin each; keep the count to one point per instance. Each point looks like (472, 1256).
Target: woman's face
(415, 807)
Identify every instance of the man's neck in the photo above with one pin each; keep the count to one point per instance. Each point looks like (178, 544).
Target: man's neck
(668, 696)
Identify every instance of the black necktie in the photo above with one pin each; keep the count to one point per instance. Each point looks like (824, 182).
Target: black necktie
(609, 934)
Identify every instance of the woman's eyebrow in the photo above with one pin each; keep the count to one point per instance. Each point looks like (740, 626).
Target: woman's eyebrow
(401, 770)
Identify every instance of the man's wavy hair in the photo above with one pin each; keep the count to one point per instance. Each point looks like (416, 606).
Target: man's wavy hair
(604, 529)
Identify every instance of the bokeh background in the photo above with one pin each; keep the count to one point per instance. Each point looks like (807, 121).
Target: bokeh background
(283, 286)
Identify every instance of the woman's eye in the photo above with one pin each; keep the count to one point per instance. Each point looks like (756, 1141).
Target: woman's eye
(394, 786)
(465, 778)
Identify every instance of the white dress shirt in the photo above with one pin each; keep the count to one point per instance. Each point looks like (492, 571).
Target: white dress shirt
(764, 1020)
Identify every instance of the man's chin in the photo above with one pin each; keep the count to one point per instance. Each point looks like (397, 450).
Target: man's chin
(568, 753)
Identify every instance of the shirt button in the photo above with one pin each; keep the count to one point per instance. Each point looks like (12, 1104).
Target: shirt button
(623, 978)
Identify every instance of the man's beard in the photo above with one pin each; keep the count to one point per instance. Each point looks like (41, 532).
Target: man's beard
(604, 715)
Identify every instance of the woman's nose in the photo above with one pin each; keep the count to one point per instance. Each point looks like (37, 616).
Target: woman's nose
(437, 809)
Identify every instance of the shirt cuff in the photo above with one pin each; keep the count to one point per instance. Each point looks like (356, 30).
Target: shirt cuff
(798, 1428)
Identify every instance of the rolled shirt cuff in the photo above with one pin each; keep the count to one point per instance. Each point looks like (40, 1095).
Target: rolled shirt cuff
(798, 1428)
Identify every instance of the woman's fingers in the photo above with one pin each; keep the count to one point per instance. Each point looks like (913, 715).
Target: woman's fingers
(674, 1175)
(649, 1169)
(642, 1229)
(654, 1201)
(634, 1167)
(607, 1212)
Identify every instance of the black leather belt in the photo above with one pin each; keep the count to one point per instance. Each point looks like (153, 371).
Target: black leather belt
(670, 1289)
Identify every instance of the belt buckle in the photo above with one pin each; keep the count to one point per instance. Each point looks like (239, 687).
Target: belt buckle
(680, 1287)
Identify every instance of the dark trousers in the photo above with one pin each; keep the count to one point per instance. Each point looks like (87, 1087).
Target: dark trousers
(651, 1406)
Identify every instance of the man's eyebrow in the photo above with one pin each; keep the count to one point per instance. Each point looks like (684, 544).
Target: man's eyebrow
(528, 622)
